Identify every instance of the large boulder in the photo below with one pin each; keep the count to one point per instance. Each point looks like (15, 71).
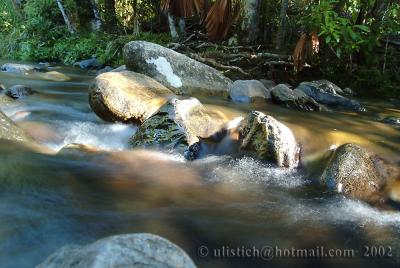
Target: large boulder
(10, 131)
(131, 250)
(329, 94)
(247, 91)
(178, 124)
(353, 171)
(19, 91)
(21, 68)
(127, 96)
(176, 71)
(294, 99)
(268, 139)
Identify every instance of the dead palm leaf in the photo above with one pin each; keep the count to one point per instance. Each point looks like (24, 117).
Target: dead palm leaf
(185, 8)
(306, 48)
(299, 53)
(222, 15)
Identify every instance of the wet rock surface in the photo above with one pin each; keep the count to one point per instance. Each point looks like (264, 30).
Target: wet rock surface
(294, 99)
(268, 139)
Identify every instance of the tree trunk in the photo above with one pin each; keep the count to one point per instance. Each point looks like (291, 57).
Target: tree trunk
(172, 27)
(136, 23)
(111, 17)
(70, 27)
(280, 38)
(250, 20)
(96, 14)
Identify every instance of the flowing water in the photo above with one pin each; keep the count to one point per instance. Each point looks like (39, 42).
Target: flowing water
(48, 200)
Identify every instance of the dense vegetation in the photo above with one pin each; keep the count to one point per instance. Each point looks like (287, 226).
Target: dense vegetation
(358, 39)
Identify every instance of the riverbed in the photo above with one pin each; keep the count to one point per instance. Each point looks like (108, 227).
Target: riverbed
(48, 200)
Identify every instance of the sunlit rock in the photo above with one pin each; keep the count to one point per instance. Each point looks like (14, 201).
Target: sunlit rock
(176, 71)
(130, 250)
(294, 99)
(247, 91)
(10, 131)
(127, 96)
(178, 124)
(353, 171)
(268, 139)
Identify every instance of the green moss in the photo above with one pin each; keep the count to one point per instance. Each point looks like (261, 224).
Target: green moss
(161, 131)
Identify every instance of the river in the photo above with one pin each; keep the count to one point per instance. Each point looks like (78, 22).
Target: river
(48, 200)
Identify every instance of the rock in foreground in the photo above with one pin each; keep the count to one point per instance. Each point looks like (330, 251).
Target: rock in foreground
(131, 250)
(179, 123)
(176, 71)
(352, 171)
(269, 139)
(127, 96)
(247, 91)
(10, 131)
(294, 99)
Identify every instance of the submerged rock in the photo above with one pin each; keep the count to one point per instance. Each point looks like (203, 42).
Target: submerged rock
(268, 139)
(178, 124)
(54, 76)
(392, 120)
(353, 172)
(327, 93)
(88, 64)
(130, 250)
(248, 91)
(176, 71)
(10, 131)
(19, 91)
(127, 96)
(294, 99)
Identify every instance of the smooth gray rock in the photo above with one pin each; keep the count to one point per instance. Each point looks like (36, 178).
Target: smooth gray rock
(176, 71)
(120, 69)
(294, 99)
(353, 171)
(89, 64)
(105, 70)
(327, 94)
(268, 84)
(268, 139)
(247, 91)
(130, 250)
(19, 91)
(127, 96)
(18, 68)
